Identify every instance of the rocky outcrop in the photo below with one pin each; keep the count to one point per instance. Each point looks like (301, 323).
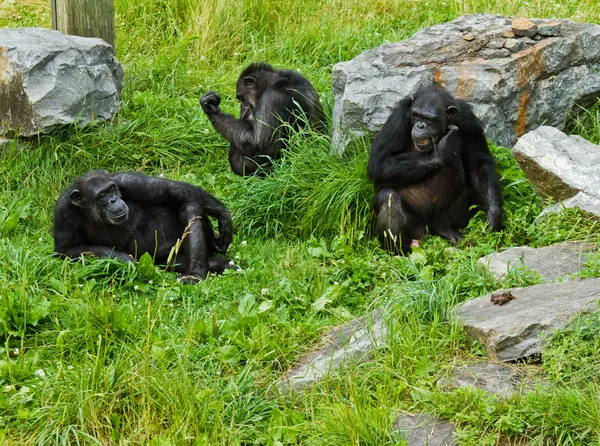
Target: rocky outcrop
(562, 167)
(517, 75)
(510, 323)
(550, 262)
(48, 79)
(352, 342)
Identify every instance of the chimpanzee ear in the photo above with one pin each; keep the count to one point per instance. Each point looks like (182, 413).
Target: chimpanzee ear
(451, 111)
(76, 198)
(249, 81)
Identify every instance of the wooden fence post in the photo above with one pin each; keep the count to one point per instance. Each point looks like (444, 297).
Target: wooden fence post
(87, 18)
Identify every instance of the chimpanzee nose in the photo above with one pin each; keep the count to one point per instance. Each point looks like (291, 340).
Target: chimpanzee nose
(421, 126)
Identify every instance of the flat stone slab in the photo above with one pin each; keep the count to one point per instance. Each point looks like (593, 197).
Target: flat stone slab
(551, 262)
(498, 379)
(49, 79)
(514, 83)
(352, 342)
(515, 329)
(425, 430)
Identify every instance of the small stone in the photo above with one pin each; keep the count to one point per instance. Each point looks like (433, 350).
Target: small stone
(468, 37)
(549, 29)
(501, 298)
(537, 37)
(423, 429)
(513, 45)
(494, 54)
(498, 379)
(508, 34)
(495, 44)
(524, 27)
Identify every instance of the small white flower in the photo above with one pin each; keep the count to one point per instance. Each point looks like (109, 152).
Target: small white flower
(264, 291)
(170, 305)
(80, 285)
(383, 275)
(40, 373)
(244, 242)
(336, 283)
(202, 57)
(137, 288)
(16, 351)
(150, 282)
(9, 388)
(114, 296)
(237, 257)
(231, 263)
(69, 367)
(162, 175)
(236, 54)
(40, 239)
(342, 261)
(206, 131)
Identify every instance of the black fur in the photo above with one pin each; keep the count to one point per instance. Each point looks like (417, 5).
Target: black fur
(429, 164)
(151, 215)
(269, 98)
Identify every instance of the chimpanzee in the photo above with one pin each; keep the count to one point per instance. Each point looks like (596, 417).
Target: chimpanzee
(429, 164)
(126, 214)
(272, 102)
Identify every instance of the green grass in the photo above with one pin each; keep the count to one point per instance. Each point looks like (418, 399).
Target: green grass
(97, 352)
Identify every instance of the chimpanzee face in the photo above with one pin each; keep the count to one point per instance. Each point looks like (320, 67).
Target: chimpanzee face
(246, 93)
(429, 121)
(101, 200)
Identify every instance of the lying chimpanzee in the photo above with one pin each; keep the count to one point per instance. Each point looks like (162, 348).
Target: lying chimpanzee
(272, 103)
(126, 214)
(430, 163)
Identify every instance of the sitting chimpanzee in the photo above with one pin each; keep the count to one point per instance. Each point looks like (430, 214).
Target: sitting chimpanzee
(429, 164)
(126, 214)
(272, 103)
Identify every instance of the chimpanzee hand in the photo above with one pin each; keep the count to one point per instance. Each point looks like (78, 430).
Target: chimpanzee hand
(221, 244)
(449, 145)
(210, 102)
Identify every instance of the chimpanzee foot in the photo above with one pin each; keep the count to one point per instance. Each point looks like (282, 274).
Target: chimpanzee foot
(189, 279)
(219, 264)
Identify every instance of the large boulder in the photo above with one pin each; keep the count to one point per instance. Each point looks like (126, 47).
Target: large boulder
(512, 323)
(562, 167)
(515, 82)
(48, 78)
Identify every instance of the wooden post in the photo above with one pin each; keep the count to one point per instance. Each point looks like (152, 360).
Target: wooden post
(87, 18)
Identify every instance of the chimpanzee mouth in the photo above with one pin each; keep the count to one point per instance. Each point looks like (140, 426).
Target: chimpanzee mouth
(423, 145)
(120, 218)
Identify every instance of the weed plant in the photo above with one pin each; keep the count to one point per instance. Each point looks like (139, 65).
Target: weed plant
(97, 352)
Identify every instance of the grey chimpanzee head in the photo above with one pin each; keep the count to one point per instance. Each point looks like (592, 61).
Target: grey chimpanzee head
(431, 113)
(99, 198)
(251, 84)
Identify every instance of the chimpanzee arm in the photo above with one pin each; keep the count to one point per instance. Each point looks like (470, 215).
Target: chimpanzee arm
(392, 164)
(69, 242)
(480, 167)
(163, 192)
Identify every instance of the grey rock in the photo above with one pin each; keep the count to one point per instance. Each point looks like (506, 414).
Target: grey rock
(48, 79)
(523, 27)
(551, 262)
(517, 328)
(350, 343)
(561, 166)
(511, 95)
(489, 53)
(549, 29)
(495, 44)
(515, 45)
(537, 37)
(582, 201)
(425, 430)
(498, 379)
